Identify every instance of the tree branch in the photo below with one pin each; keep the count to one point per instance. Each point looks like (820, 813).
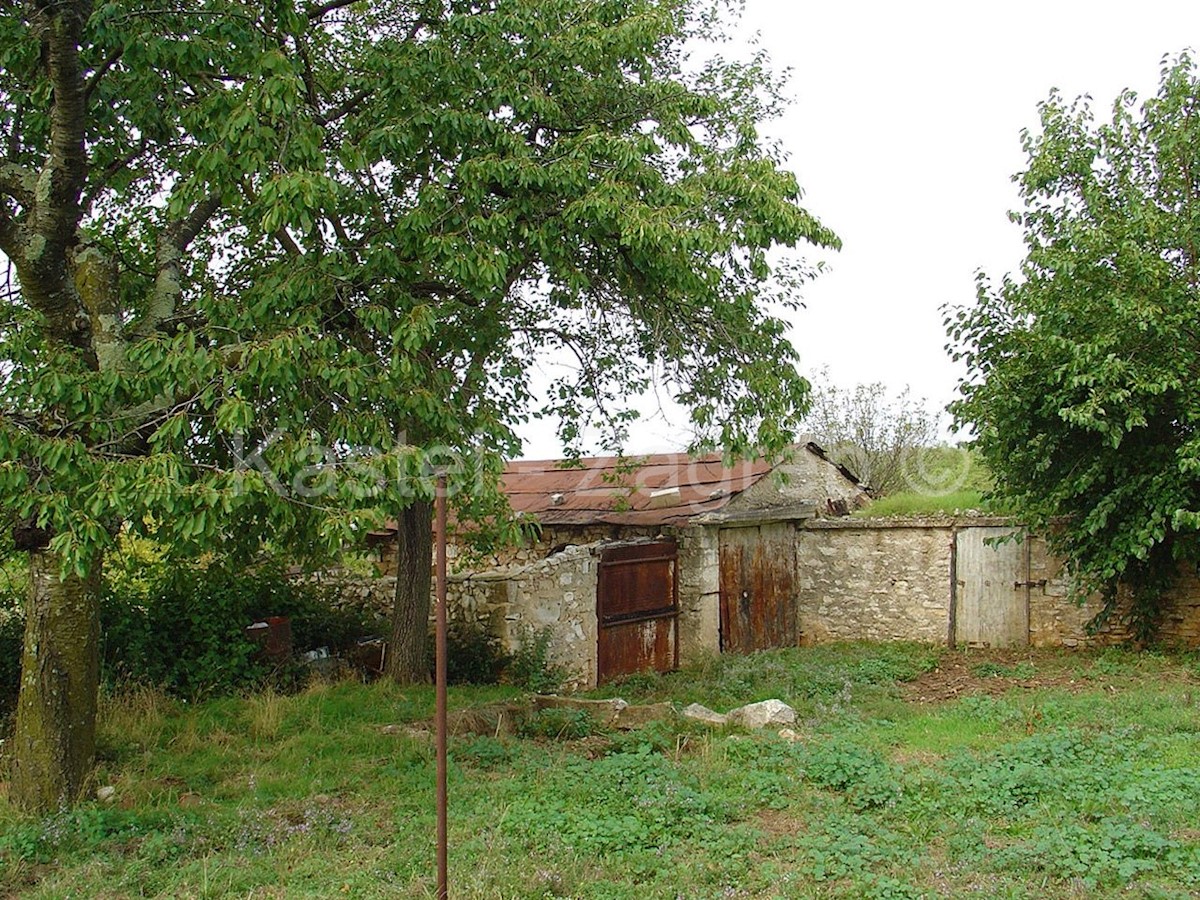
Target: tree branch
(53, 220)
(317, 12)
(105, 66)
(112, 169)
(343, 109)
(288, 244)
(18, 182)
(172, 243)
(63, 177)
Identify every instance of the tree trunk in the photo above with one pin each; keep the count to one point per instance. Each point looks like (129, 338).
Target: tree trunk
(408, 652)
(55, 738)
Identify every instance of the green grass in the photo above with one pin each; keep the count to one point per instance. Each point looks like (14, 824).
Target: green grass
(914, 504)
(1054, 775)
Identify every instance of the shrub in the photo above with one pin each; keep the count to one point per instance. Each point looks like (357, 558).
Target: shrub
(558, 724)
(473, 654)
(530, 666)
(12, 635)
(183, 626)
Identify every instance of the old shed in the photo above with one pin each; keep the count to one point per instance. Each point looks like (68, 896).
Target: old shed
(643, 561)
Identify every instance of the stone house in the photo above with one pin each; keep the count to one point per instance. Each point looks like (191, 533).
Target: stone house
(642, 561)
(642, 564)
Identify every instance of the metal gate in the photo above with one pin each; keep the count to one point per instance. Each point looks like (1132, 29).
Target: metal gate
(758, 604)
(637, 605)
(991, 588)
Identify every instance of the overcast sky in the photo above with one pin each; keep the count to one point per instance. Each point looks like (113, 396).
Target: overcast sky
(905, 133)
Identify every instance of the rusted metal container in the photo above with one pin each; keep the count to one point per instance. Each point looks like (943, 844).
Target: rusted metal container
(273, 635)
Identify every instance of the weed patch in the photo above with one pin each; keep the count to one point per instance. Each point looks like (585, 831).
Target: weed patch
(1087, 784)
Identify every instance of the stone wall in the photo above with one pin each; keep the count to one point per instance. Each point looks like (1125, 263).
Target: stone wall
(1055, 619)
(890, 579)
(699, 593)
(867, 579)
(557, 593)
(856, 579)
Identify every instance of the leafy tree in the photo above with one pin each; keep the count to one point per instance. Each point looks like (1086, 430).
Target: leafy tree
(1082, 387)
(875, 435)
(277, 264)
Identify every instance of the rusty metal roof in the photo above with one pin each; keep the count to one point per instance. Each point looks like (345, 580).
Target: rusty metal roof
(659, 489)
(652, 490)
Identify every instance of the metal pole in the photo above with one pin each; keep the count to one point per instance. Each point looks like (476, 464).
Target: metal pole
(440, 688)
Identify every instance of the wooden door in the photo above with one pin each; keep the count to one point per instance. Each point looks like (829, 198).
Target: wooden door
(637, 609)
(991, 599)
(758, 604)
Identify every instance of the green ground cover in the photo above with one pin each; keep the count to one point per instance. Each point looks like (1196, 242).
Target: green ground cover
(918, 772)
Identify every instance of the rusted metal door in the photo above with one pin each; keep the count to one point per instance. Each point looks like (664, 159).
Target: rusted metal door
(637, 604)
(991, 590)
(758, 605)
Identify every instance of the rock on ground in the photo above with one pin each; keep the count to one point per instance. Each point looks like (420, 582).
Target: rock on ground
(762, 714)
(703, 714)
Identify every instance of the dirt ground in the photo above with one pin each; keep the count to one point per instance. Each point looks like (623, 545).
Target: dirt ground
(995, 672)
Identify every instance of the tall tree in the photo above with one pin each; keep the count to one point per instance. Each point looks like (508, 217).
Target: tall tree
(1082, 387)
(277, 264)
(877, 436)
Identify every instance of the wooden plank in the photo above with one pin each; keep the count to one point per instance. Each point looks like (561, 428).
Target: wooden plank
(757, 600)
(992, 608)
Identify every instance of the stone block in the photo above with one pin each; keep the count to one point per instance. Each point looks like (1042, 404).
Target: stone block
(762, 714)
(699, 713)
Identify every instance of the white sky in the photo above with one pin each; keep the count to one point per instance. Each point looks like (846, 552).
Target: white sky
(905, 134)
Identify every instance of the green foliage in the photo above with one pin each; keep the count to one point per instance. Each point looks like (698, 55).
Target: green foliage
(530, 665)
(474, 654)
(367, 221)
(14, 585)
(182, 627)
(1081, 387)
(279, 264)
(559, 724)
(618, 804)
(484, 752)
(864, 776)
(12, 638)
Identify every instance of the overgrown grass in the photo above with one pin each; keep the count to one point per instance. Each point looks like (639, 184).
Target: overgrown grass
(1082, 781)
(915, 504)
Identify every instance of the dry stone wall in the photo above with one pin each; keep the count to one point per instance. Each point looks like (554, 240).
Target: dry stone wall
(890, 579)
(558, 595)
(864, 579)
(555, 594)
(856, 579)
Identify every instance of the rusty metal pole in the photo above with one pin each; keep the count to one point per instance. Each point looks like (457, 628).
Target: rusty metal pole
(440, 689)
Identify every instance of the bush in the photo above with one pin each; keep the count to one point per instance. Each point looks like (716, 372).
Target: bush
(14, 582)
(473, 654)
(558, 724)
(183, 626)
(12, 636)
(530, 666)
